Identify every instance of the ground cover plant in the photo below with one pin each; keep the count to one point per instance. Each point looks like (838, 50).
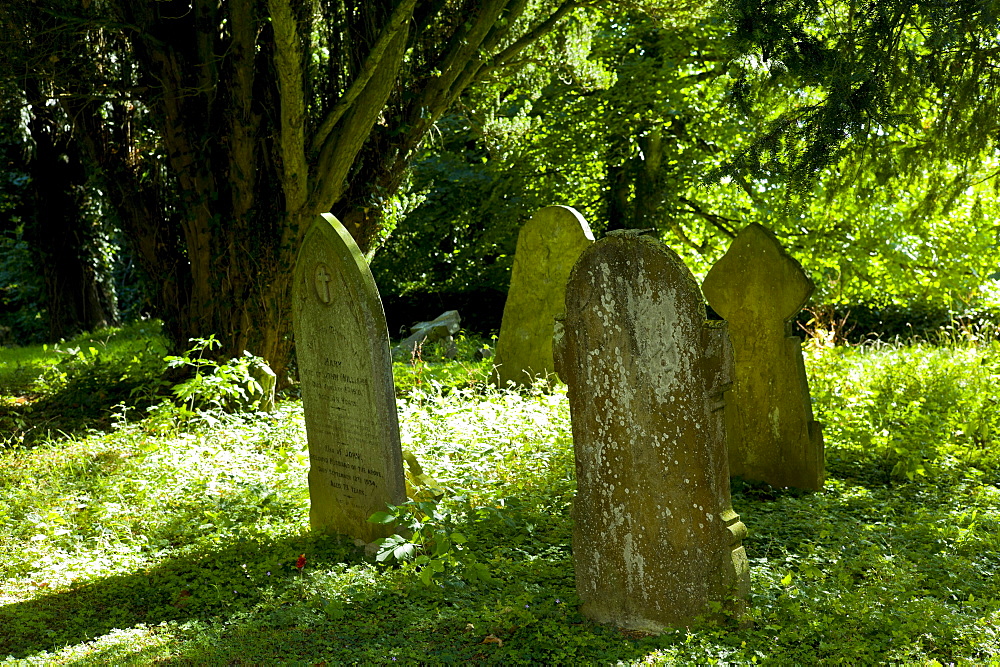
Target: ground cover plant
(181, 536)
(47, 390)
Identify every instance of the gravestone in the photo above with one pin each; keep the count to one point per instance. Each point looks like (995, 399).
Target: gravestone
(655, 541)
(348, 398)
(758, 288)
(547, 247)
(261, 396)
(441, 328)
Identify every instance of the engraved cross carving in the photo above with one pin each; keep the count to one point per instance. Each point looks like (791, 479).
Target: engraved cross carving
(323, 283)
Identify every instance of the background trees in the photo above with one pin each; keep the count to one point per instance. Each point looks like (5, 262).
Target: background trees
(842, 126)
(207, 133)
(219, 128)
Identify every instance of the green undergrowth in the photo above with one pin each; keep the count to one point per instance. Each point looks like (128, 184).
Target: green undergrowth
(430, 368)
(48, 390)
(178, 539)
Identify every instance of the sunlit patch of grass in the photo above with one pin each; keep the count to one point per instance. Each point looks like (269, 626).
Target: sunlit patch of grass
(21, 365)
(49, 392)
(89, 508)
(495, 442)
(899, 410)
(175, 538)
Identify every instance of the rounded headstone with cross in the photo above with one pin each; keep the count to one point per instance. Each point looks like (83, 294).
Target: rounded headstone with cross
(342, 346)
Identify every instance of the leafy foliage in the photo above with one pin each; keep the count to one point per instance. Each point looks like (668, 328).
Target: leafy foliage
(21, 292)
(176, 540)
(903, 412)
(666, 125)
(89, 381)
(863, 72)
(220, 386)
(434, 545)
(429, 369)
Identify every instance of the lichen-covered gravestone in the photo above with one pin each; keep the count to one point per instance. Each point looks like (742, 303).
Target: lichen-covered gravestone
(655, 540)
(547, 247)
(348, 398)
(758, 288)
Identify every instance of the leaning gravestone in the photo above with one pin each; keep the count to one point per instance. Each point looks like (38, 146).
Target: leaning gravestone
(342, 345)
(655, 542)
(547, 247)
(758, 288)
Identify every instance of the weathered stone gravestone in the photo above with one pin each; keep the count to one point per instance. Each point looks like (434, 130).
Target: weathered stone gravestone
(259, 396)
(655, 542)
(758, 288)
(342, 345)
(547, 247)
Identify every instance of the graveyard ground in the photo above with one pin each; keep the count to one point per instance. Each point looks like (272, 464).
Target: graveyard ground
(135, 530)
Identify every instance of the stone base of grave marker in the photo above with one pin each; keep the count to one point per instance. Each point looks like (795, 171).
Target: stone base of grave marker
(656, 543)
(348, 397)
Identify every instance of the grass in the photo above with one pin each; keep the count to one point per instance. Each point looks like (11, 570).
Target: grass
(78, 384)
(175, 538)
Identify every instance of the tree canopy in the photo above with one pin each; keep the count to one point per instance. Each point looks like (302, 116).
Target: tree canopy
(689, 128)
(209, 133)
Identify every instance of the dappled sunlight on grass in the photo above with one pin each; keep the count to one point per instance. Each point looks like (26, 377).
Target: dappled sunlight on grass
(55, 392)
(176, 537)
(894, 411)
(497, 443)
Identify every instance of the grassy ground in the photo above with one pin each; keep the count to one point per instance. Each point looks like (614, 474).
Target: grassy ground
(176, 537)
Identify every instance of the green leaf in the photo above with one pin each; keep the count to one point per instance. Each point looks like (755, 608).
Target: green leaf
(404, 551)
(442, 546)
(382, 517)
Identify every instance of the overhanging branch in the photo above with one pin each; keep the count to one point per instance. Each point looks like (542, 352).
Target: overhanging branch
(397, 21)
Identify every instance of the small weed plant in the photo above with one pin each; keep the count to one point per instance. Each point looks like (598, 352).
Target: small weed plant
(214, 386)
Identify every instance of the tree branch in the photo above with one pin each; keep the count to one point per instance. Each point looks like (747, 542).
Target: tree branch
(288, 61)
(716, 220)
(465, 62)
(463, 53)
(502, 58)
(341, 147)
(397, 21)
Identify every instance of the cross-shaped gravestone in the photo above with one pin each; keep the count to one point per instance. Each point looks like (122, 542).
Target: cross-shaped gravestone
(758, 288)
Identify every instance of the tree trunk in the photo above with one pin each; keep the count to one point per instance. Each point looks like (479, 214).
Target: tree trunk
(252, 120)
(64, 236)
